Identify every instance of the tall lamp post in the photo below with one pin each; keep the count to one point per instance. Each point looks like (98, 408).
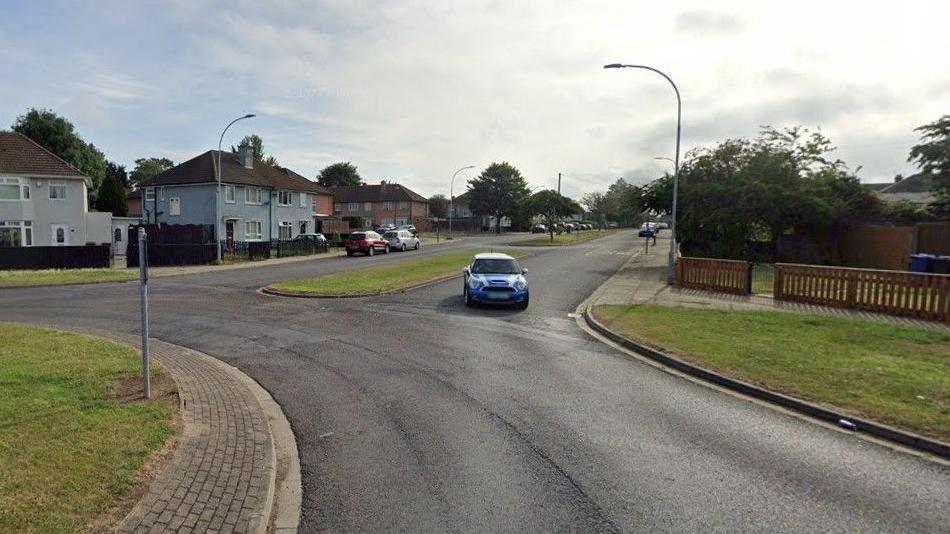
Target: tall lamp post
(676, 162)
(217, 178)
(452, 196)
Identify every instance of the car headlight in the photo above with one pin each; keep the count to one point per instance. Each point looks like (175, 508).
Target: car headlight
(521, 284)
(474, 282)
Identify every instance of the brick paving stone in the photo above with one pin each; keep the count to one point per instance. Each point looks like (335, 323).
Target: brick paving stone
(204, 486)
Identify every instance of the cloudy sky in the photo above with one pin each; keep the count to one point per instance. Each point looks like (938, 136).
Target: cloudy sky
(411, 90)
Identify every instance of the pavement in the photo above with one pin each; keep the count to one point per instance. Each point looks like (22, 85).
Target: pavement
(412, 412)
(642, 280)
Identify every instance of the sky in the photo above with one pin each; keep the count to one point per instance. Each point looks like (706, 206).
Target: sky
(410, 91)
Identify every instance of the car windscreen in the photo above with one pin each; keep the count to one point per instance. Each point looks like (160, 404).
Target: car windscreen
(495, 266)
(357, 236)
(389, 235)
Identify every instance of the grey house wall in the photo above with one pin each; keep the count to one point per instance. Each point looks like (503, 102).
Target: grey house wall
(44, 212)
(197, 205)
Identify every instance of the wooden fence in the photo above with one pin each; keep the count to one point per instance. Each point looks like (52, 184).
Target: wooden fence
(725, 276)
(925, 296)
(67, 257)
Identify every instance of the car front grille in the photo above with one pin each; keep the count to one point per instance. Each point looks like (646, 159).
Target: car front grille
(495, 288)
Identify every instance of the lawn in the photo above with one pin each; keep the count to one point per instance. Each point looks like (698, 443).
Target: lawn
(52, 277)
(384, 278)
(71, 441)
(891, 374)
(565, 239)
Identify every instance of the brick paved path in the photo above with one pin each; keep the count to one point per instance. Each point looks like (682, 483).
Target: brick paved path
(220, 478)
(643, 281)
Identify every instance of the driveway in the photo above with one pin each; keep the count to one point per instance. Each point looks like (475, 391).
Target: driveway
(414, 413)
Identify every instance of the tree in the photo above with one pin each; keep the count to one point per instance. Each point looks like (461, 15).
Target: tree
(112, 191)
(624, 203)
(932, 156)
(552, 207)
(59, 136)
(148, 168)
(597, 205)
(342, 173)
(257, 149)
(438, 206)
(500, 191)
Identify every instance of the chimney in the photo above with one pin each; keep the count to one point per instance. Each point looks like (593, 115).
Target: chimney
(898, 178)
(245, 156)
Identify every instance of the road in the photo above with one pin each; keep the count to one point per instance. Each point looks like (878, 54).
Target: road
(414, 413)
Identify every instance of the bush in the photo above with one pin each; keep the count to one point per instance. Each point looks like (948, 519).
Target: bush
(355, 221)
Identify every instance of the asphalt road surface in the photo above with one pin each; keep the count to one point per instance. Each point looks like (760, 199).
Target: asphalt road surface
(441, 418)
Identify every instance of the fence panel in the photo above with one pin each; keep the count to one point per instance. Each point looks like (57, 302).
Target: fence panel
(67, 257)
(925, 296)
(160, 254)
(724, 276)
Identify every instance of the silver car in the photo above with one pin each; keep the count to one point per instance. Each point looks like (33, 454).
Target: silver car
(402, 240)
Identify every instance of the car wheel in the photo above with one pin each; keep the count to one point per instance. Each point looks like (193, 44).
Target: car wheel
(386, 250)
(372, 251)
(523, 305)
(468, 299)
(349, 252)
(417, 245)
(403, 247)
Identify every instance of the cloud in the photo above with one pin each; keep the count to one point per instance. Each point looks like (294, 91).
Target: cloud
(111, 87)
(701, 22)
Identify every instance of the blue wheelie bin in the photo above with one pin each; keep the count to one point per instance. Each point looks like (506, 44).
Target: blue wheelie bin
(921, 263)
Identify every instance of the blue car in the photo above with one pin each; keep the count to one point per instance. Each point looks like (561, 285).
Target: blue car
(495, 279)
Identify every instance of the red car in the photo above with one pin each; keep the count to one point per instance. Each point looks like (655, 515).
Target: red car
(366, 242)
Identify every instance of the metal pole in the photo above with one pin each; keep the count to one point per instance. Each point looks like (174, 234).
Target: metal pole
(143, 298)
(217, 179)
(676, 163)
(451, 214)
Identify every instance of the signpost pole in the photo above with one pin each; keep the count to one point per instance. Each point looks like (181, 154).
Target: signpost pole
(143, 295)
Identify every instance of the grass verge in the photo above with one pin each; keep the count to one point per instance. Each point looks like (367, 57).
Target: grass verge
(382, 279)
(565, 239)
(895, 375)
(53, 277)
(73, 438)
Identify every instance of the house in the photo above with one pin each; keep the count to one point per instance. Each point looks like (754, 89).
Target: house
(133, 203)
(463, 218)
(916, 189)
(43, 199)
(259, 202)
(385, 203)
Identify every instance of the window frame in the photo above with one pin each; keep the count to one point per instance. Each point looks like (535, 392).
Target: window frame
(280, 229)
(367, 207)
(303, 199)
(337, 207)
(388, 205)
(285, 195)
(22, 186)
(247, 196)
(149, 195)
(229, 190)
(57, 184)
(353, 206)
(259, 233)
(403, 205)
(24, 228)
(174, 202)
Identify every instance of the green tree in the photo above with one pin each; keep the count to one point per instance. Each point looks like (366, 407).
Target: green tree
(500, 191)
(148, 168)
(552, 207)
(59, 136)
(438, 206)
(624, 203)
(257, 149)
(597, 205)
(112, 191)
(932, 156)
(342, 173)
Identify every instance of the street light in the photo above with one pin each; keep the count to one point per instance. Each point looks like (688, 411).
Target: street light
(676, 162)
(452, 196)
(217, 178)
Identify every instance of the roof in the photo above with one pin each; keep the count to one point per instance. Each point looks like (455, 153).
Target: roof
(134, 194)
(201, 170)
(21, 155)
(375, 193)
(463, 198)
(878, 186)
(492, 256)
(918, 183)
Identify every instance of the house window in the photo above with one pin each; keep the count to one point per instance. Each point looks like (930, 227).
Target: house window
(285, 198)
(285, 231)
(174, 206)
(161, 194)
(229, 194)
(252, 230)
(337, 207)
(252, 195)
(149, 194)
(303, 227)
(403, 205)
(57, 190)
(303, 200)
(16, 234)
(387, 205)
(118, 235)
(14, 189)
(353, 206)
(367, 206)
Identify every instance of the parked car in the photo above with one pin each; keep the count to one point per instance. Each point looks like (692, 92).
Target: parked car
(366, 242)
(410, 228)
(646, 230)
(383, 228)
(539, 229)
(402, 240)
(662, 225)
(316, 238)
(494, 278)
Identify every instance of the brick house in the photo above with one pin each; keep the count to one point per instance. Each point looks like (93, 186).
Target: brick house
(385, 203)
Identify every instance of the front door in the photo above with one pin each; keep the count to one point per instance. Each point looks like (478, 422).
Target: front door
(229, 234)
(60, 235)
